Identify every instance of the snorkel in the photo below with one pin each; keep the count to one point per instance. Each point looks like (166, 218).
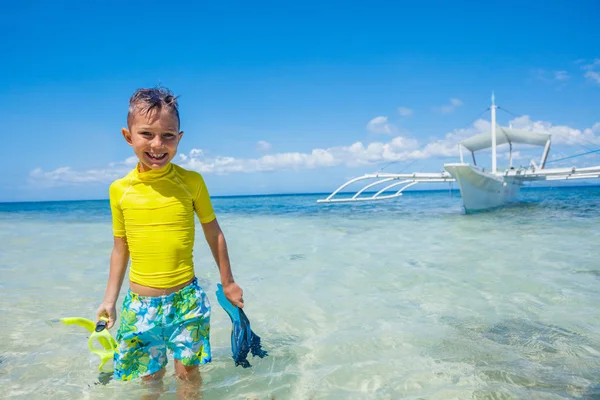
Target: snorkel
(100, 342)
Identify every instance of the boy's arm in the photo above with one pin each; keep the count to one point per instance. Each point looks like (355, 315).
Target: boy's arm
(218, 246)
(119, 259)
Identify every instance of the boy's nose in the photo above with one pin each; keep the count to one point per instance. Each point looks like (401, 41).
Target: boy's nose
(156, 141)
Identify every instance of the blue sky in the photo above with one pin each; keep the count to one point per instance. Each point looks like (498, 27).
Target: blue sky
(279, 98)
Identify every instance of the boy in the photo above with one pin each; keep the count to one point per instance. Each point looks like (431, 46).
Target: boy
(153, 224)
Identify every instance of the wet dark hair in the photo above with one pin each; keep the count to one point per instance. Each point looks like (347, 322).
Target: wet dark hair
(148, 99)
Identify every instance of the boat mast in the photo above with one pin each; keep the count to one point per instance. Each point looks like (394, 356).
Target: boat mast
(493, 108)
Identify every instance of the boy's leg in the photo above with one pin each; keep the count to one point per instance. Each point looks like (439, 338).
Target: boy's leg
(141, 350)
(155, 385)
(189, 327)
(190, 381)
(190, 374)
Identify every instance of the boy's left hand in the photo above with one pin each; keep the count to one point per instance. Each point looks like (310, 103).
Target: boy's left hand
(234, 294)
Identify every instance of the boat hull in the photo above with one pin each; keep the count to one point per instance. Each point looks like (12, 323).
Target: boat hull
(481, 190)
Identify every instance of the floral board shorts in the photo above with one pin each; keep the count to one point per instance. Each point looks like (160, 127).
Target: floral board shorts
(179, 322)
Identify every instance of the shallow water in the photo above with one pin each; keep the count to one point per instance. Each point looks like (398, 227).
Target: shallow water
(408, 298)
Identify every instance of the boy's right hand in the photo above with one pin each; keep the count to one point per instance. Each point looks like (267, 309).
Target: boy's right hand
(109, 311)
(234, 294)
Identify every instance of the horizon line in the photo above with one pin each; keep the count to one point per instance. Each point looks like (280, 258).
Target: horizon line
(452, 189)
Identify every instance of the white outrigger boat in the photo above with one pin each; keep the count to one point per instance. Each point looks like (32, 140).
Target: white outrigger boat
(480, 190)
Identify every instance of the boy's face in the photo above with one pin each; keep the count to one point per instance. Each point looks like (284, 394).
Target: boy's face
(154, 138)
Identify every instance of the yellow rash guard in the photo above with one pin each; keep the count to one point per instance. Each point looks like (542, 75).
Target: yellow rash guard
(154, 211)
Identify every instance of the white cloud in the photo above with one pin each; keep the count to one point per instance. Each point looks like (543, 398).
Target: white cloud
(552, 76)
(448, 108)
(516, 155)
(595, 63)
(399, 148)
(561, 75)
(66, 176)
(128, 162)
(448, 145)
(405, 111)
(593, 75)
(561, 134)
(292, 160)
(592, 71)
(263, 146)
(380, 125)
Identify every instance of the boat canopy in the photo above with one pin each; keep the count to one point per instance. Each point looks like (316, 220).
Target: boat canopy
(505, 135)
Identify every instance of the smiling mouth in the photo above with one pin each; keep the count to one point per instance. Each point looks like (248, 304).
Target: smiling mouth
(156, 157)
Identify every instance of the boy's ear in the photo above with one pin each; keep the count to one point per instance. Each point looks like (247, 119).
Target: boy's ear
(180, 136)
(126, 135)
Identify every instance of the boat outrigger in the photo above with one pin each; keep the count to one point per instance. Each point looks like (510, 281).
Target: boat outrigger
(480, 189)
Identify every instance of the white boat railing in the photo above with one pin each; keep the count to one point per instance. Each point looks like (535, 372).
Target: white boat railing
(407, 180)
(552, 174)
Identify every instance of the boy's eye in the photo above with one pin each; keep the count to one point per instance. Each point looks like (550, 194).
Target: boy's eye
(145, 133)
(169, 136)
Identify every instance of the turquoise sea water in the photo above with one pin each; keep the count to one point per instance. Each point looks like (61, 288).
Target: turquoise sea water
(408, 298)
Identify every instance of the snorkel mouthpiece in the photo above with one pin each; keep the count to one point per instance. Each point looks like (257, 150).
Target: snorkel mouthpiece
(101, 325)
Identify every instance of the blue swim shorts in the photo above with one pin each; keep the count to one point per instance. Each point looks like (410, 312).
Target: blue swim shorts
(179, 322)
